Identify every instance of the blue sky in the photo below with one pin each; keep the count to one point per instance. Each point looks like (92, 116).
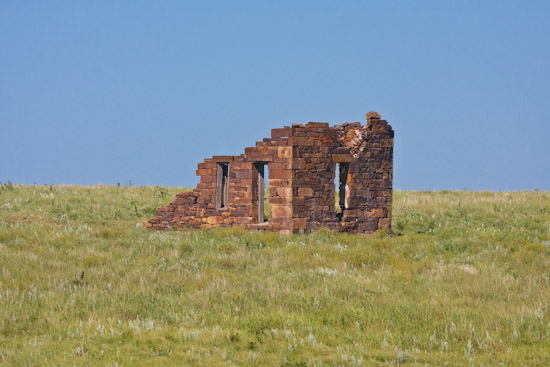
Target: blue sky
(107, 92)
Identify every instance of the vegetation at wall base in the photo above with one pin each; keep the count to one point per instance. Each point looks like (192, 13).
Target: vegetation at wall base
(463, 280)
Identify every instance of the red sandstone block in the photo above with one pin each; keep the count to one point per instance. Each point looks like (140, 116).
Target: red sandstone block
(278, 182)
(317, 124)
(353, 213)
(299, 223)
(280, 174)
(284, 152)
(385, 184)
(235, 166)
(281, 211)
(305, 191)
(277, 200)
(284, 192)
(342, 158)
(243, 220)
(322, 131)
(299, 163)
(303, 177)
(250, 150)
(205, 187)
(261, 157)
(330, 133)
(280, 165)
(285, 142)
(372, 115)
(241, 211)
(281, 133)
(319, 143)
(327, 201)
(298, 201)
(208, 179)
(367, 227)
(305, 141)
(223, 158)
(377, 213)
(214, 220)
(237, 202)
(243, 174)
(311, 133)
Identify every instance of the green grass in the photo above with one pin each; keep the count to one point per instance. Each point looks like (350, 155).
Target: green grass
(463, 280)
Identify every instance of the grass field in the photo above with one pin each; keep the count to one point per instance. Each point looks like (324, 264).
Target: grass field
(463, 280)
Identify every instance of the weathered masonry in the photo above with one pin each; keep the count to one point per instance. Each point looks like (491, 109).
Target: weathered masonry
(302, 164)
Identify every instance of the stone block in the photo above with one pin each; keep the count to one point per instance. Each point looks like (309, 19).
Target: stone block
(281, 211)
(284, 192)
(214, 220)
(342, 158)
(281, 133)
(305, 141)
(280, 174)
(299, 223)
(317, 124)
(305, 191)
(284, 152)
(223, 158)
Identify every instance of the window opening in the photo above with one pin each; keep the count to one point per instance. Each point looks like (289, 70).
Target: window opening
(340, 181)
(263, 198)
(222, 186)
(266, 193)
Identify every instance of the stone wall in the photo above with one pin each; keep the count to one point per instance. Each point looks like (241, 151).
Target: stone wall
(301, 163)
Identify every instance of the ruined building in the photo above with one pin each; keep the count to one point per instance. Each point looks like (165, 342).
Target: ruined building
(302, 164)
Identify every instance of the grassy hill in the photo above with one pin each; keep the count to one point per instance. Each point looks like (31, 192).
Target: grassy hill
(463, 280)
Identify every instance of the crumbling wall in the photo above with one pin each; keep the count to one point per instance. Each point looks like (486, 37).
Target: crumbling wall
(301, 163)
(199, 208)
(369, 180)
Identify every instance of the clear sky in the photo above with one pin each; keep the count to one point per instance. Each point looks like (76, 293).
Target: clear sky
(141, 91)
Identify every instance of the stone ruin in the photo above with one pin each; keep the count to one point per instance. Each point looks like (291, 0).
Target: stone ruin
(302, 163)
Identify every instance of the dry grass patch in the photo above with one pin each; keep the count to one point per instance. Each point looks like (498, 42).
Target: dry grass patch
(463, 280)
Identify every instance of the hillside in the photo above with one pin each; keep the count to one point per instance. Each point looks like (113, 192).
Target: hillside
(463, 280)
